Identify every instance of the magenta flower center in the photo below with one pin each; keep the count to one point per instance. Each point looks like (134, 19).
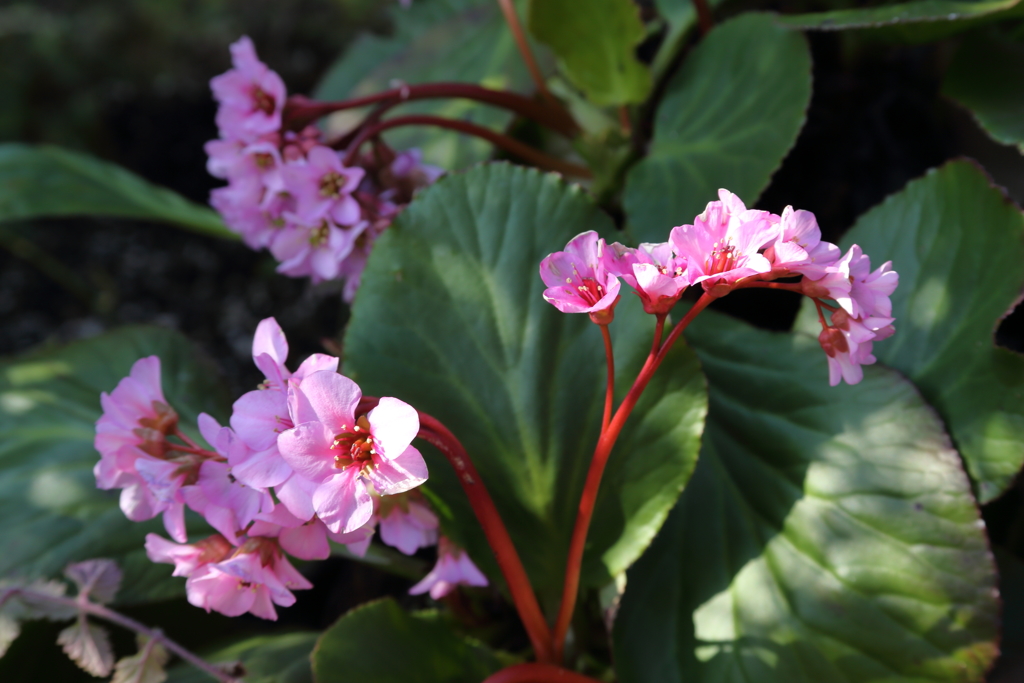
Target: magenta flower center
(590, 290)
(722, 259)
(357, 447)
(318, 236)
(331, 184)
(263, 101)
(263, 160)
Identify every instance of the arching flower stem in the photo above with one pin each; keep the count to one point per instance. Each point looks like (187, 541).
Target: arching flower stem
(603, 450)
(609, 398)
(195, 451)
(508, 144)
(533, 672)
(439, 436)
(508, 8)
(301, 111)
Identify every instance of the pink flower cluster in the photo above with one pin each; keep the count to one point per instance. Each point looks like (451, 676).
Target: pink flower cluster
(292, 194)
(299, 464)
(730, 247)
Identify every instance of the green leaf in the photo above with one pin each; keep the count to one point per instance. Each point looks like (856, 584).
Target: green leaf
(450, 40)
(145, 666)
(729, 116)
(450, 318)
(45, 181)
(596, 46)
(382, 643)
(282, 658)
(52, 511)
(925, 11)
(829, 534)
(88, 646)
(679, 17)
(958, 244)
(983, 78)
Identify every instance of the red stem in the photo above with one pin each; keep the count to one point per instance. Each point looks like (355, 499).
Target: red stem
(435, 433)
(508, 8)
(821, 315)
(538, 673)
(184, 437)
(609, 397)
(508, 144)
(596, 471)
(787, 286)
(301, 111)
(196, 451)
(703, 16)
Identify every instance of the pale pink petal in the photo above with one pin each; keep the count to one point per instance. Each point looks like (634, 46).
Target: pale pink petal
(399, 474)
(343, 503)
(394, 424)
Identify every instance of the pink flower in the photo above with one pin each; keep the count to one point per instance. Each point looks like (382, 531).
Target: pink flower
(316, 248)
(656, 274)
(578, 280)
(251, 96)
(254, 579)
(848, 344)
(308, 540)
(724, 243)
(870, 291)
(323, 188)
(406, 522)
(344, 453)
(453, 568)
(187, 558)
(799, 248)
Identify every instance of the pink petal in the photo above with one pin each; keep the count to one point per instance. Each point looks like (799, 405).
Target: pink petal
(307, 449)
(326, 397)
(400, 474)
(343, 503)
(394, 424)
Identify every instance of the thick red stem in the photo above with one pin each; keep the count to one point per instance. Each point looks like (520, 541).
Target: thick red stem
(597, 464)
(435, 433)
(538, 673)
(301, 111)
(703, 16)
(609, 397)
(508, 144)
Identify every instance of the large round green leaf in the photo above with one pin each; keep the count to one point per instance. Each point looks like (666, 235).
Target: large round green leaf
(49, 181)
(922, 11)
(729, 116)
(52, 511)
(828, 535)
(450, 318)
(958, 245)
(452, 40)
(984, 78)
(381, 642)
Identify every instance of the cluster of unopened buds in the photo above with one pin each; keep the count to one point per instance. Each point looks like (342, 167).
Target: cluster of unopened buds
(304, 460)
(288, 191)
(730, 247)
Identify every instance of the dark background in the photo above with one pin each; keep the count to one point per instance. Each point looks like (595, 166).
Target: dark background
(126, 80)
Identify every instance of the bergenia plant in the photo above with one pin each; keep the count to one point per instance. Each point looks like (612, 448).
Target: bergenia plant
(541, 418)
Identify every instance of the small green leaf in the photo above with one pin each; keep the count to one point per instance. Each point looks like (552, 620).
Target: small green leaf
(451, 40)
(382, 643)
(88, 646)
(924, 11)
(44, 181)
(985, 79)
(283, 658)
(958, 244)
(10, 629)
(451, 318)
(596, 46)
(52, 511)
(828, 535)
(729, 116)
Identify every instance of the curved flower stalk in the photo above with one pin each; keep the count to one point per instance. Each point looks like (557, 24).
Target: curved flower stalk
(727, 247)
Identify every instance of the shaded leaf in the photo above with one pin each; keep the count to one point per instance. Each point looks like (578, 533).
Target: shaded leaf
(10, 629)
(45, 181)
(362, 646)
(450, 318)
(35, 604)
(596, 46)
(984, 78)
(49, 402)
(958, 245)
(829, 534)
(728, 117)
(448, 40)
(88, 646)
(99, 579)
(146, 666)
(282, 658)
(680, 17)
(921, 11)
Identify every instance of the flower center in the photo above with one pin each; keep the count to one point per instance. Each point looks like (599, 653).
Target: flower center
(318, 236)
(590, 290)
(722, 259)
(263, 102)
(331, 184)
(357, 446)
(264, 160)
